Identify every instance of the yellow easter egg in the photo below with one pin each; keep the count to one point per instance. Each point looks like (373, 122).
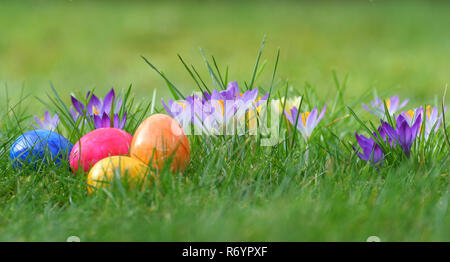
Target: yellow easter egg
(112, 167)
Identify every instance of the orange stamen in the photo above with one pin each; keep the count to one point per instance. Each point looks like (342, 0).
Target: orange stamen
(428, 112)
(182, 105)
(305, 117)
(410, 113)
(221, 104)
(95, 110)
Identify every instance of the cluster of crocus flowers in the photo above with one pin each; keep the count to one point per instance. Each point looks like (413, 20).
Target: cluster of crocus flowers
(218, 112)
(393, 105)
(307, 121)
(403, 135)
(47, 122)
(408, 128)
(100, 111)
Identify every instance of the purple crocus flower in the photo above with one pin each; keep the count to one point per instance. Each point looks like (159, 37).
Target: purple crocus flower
(231, 108)
(190, 110)
(231, 93)
(216, 110)
(307, 122)
(47, 122)
(403, 134)
(393, 105)
(371, 151)
(105, 121)
(99, 110)
(228, 106)
(411, 115)
(98, 106)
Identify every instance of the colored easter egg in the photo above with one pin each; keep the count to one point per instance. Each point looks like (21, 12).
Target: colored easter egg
(98, 144)
(108, 169)
(158, 139)
(39, 145)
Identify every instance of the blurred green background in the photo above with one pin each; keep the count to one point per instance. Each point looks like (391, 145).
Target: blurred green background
(394, 46)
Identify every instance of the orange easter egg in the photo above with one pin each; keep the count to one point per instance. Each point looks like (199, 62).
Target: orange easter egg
(105, 170)
(158, 139)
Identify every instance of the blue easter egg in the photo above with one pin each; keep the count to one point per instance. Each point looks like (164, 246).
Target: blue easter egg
(37, 146)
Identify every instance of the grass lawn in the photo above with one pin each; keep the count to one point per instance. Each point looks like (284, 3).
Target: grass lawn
(233, 189)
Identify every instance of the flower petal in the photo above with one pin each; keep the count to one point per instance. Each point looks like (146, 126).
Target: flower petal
(400, 120)
(393, 105)
(232, 91)
(390, 131)
(322, 113)
(168, 110)
(289, 118)
(94, 102)
(415, 128)
(377, 154)
(106, 121)
(79, 107)
(310, 122)
(109, 99)
(116, 120)
(38, 121)
(97, 121)
(403, 104)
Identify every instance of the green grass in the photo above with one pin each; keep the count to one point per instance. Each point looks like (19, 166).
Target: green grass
(232, 190)
(238, 192)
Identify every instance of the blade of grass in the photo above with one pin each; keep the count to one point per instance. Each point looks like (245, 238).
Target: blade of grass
(256, 64)
(215, 80)
(175, 92)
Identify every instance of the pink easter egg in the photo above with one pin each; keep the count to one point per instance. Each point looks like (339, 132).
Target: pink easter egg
(97, 145)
